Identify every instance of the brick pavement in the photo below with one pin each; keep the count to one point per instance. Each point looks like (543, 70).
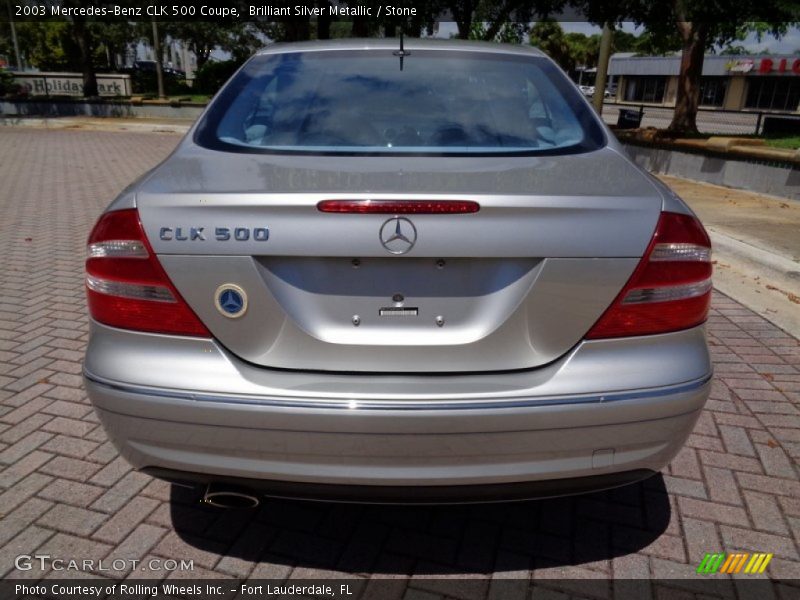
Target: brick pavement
(64, 491)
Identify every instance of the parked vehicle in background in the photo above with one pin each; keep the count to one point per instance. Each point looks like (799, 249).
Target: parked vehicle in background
(144, 81)
(425, 275)
(145, 65)
(149, 66)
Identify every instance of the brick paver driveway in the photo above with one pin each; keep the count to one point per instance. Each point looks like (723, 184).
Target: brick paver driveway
(65, 492)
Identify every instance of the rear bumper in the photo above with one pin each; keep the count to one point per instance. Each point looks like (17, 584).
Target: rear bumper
(307, 435)
(398, 447)
(397, 494)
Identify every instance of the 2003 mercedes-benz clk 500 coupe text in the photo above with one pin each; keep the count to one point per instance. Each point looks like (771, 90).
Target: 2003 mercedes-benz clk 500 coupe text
(373, 274)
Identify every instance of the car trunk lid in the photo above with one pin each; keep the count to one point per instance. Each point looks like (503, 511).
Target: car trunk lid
(514, 285)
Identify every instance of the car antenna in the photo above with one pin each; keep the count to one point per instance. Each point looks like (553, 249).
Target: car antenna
(402, 52)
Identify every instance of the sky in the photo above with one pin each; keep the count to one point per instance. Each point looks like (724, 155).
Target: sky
(789, 44)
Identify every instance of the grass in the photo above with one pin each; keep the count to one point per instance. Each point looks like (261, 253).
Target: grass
(789, 142)
(191, 98)
(199, 98)
(786, 141)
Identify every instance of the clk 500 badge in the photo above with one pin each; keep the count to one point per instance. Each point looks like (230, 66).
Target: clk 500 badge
(221, 234)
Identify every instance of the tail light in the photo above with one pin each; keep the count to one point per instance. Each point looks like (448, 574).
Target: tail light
(127, 287)
(670, 289)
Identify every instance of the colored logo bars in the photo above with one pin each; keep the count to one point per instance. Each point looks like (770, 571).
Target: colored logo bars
(742, 562)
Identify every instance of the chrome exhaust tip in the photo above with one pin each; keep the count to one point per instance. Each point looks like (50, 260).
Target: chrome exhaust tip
(225, 497)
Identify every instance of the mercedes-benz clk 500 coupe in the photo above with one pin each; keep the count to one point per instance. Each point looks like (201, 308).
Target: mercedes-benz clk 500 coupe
(374, 274)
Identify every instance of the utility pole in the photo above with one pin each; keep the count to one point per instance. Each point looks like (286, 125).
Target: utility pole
(602, 68)
(14, 36)
(159, 72)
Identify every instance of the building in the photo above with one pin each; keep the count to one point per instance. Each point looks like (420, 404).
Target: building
(758, 83)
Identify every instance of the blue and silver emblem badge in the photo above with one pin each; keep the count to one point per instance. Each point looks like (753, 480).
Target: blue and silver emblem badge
(230, 300)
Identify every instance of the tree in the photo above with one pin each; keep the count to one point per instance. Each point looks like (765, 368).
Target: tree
(242, 42)
(497, 20)
(622, 41)
(427, 11)
(654, 43)
(697, 37)
(82, 35)
(203, 37)
(114, 38)
(48, 45)
(582, 49)
(81, 31)
(462, 13)
(509, 32)
(734, 50)
(390, 26)
(200, 37)
(6, 46)
(52, 45)
(549, 37)
(700, 25)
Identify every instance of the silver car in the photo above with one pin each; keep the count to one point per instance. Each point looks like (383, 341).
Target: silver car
(426, 274)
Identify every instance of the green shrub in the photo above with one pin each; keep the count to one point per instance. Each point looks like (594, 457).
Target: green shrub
(7, 85)
(213, 75)
(145, 82)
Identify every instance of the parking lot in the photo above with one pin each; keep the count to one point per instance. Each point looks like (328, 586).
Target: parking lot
(64, 491)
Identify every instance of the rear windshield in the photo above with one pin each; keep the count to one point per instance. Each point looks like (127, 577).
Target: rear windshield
(370, 102)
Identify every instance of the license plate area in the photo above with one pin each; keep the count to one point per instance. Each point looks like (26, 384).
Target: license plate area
(398, 311)
(408, 301)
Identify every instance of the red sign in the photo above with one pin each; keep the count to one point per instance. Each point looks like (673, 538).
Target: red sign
(779, 65)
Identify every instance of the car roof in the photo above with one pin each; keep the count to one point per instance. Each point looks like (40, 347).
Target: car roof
(409, 44)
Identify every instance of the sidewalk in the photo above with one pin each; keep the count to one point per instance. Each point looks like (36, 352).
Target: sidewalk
(756, 242)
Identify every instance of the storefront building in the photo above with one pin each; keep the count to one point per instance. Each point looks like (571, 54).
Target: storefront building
(757, 83)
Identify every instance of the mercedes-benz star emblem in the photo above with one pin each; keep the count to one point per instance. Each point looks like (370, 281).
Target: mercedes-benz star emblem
(230, 300)
(398, 235)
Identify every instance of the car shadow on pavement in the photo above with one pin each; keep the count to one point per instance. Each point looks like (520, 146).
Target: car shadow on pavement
(425, 540)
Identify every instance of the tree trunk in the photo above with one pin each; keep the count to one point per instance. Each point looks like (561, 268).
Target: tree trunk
(695, 38)
(360, 27)
(324, 23)
(201, 58)
(462, 15)
(159, 59)
(297, 30)
(497, 23)
(83, 38)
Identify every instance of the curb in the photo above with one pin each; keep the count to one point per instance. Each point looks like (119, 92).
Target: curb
(109, 124)
(765, 282)
(754, 254)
